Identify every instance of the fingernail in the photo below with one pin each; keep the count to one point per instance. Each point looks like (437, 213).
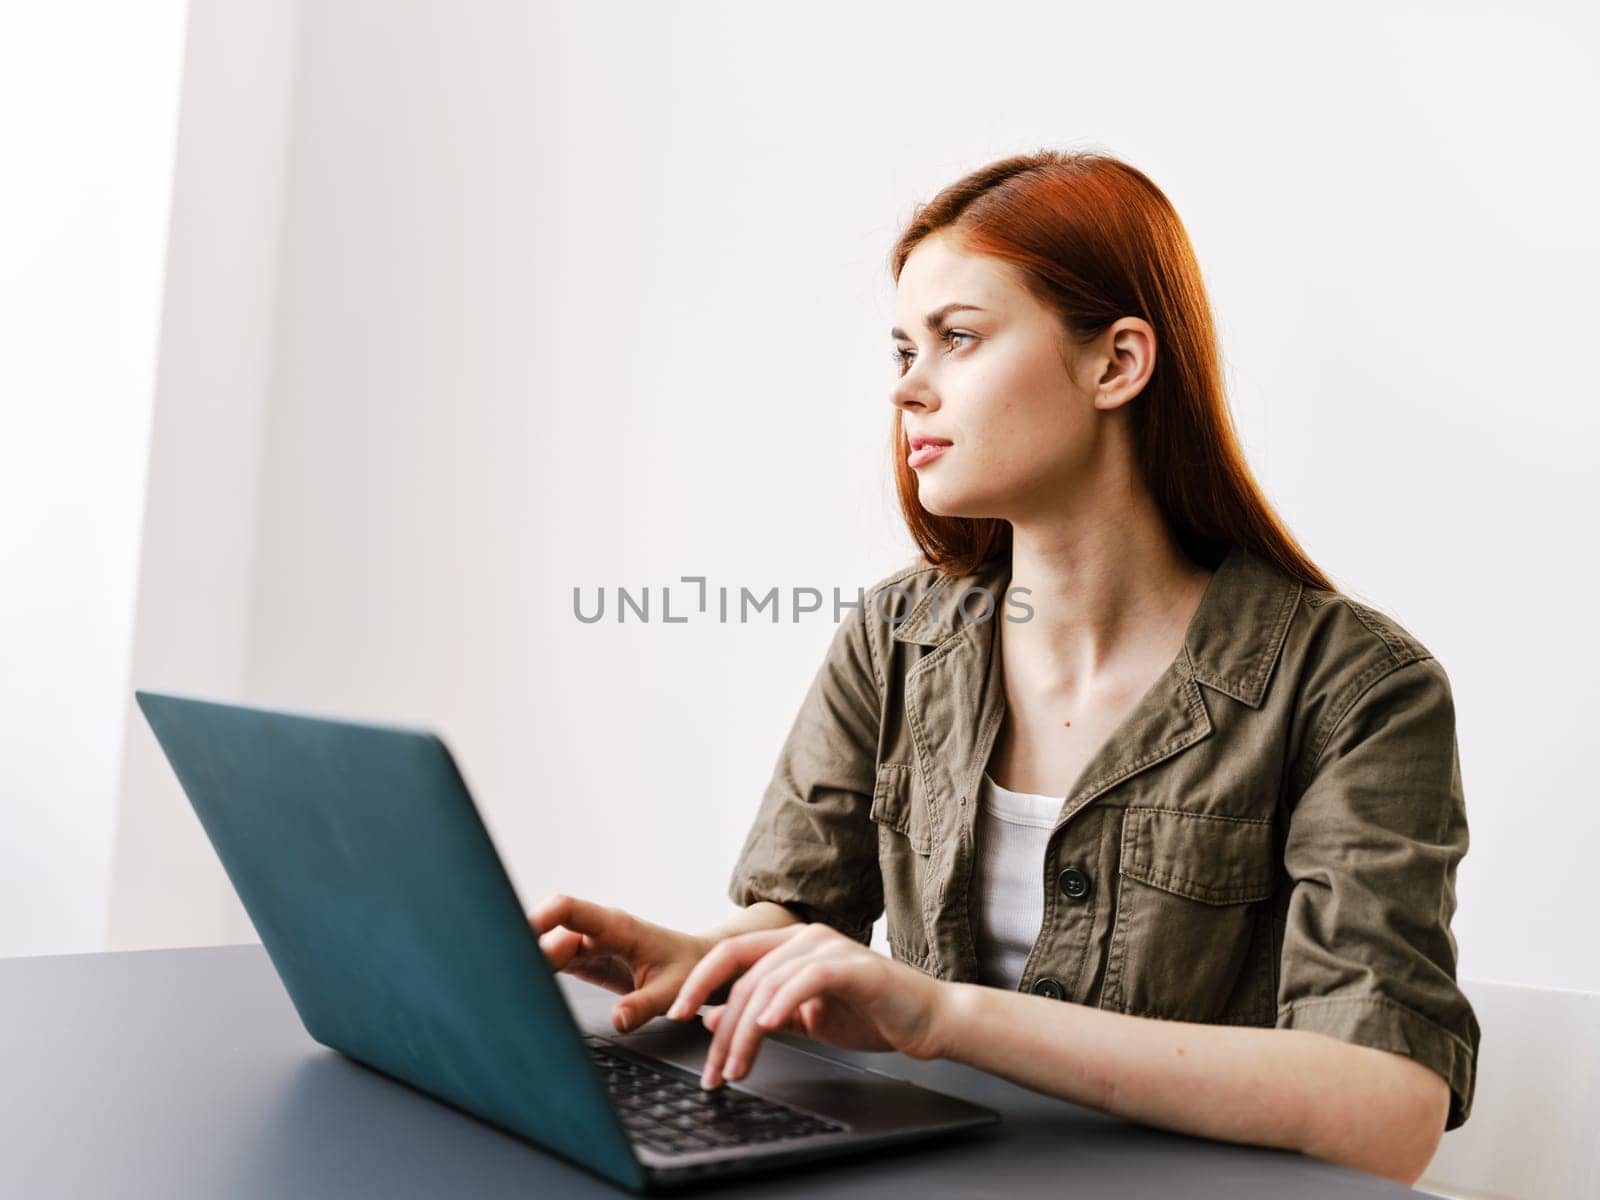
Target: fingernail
(676, 1010)
(735, 1068)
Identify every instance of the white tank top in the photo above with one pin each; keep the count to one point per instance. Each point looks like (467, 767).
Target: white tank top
(1008, 879)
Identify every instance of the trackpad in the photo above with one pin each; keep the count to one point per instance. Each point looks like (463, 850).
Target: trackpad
(685, 1043)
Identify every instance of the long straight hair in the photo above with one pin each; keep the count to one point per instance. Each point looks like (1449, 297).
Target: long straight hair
(1095, 240)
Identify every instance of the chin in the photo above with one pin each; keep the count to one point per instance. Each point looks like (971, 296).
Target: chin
(948, 502)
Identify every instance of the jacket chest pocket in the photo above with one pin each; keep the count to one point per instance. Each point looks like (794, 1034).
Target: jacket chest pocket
(905, 848)
(1191, 936)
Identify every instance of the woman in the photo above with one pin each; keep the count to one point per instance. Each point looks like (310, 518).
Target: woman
(1112, 740)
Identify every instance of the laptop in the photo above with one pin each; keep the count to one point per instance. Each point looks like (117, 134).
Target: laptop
(368, 873)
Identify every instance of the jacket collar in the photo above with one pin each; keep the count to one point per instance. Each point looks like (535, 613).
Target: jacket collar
(1232, 642)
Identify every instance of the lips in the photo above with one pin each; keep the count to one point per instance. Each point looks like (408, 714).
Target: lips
(925, 449)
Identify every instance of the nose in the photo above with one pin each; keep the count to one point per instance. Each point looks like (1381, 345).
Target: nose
(912, 395)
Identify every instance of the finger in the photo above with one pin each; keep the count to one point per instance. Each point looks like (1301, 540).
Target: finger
(796, 980)
(610, 927)
(637, 1007)
(758, 952)
(567, 949)
(801, 991)
(559, 945)
(546, 914)
(795, 1024)
(577, 954)
(741, 1033)
(795, 942)
(726, 958)
(807, 1017)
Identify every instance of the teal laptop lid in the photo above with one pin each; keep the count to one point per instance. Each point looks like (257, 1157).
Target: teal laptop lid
(377, 893)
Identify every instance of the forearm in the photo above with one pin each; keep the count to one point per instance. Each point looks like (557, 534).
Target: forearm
(1283, 1088)
(763, 914)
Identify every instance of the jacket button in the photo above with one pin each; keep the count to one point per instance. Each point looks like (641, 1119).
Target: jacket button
(1074, 883)
(1047, 987)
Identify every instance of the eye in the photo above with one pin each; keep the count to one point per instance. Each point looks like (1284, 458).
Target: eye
(902, 357)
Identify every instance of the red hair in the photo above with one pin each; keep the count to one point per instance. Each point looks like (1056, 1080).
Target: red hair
(1095, 240)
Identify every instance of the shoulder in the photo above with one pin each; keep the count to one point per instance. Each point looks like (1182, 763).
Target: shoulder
(1345, 654)
(1339, 640)
(1335, 619)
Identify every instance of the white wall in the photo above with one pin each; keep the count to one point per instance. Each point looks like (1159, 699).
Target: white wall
(542, 304)
(550, 276)
(197, 569)
(88, 105)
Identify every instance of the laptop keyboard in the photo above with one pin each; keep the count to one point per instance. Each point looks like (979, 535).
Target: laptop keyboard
(673, 1115)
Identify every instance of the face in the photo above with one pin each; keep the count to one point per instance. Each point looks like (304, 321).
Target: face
(988, 378)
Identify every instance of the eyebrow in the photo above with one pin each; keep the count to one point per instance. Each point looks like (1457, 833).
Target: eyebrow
(932, 319)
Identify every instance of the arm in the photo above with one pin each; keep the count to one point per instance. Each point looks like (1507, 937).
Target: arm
(1286, 1088)
(1373, 1055)
(1292, 1089)
(763, 914)
(812, 845)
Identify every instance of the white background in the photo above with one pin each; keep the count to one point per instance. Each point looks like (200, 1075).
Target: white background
(325, 387)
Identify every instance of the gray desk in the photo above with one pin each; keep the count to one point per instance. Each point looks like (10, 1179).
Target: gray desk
(186, 1073)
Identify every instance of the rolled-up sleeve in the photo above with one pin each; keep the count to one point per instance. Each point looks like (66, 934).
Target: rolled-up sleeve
(812, 845)
(1372, 847)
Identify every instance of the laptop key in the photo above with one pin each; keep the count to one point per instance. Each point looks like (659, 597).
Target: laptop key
(669, 1114)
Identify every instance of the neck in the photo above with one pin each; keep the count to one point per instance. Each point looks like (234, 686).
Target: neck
(1102, 592)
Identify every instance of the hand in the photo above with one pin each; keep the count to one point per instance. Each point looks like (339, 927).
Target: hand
(810, 979)
(645, 962)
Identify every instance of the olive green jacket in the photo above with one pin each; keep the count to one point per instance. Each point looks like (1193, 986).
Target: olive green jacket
(1269, 838)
